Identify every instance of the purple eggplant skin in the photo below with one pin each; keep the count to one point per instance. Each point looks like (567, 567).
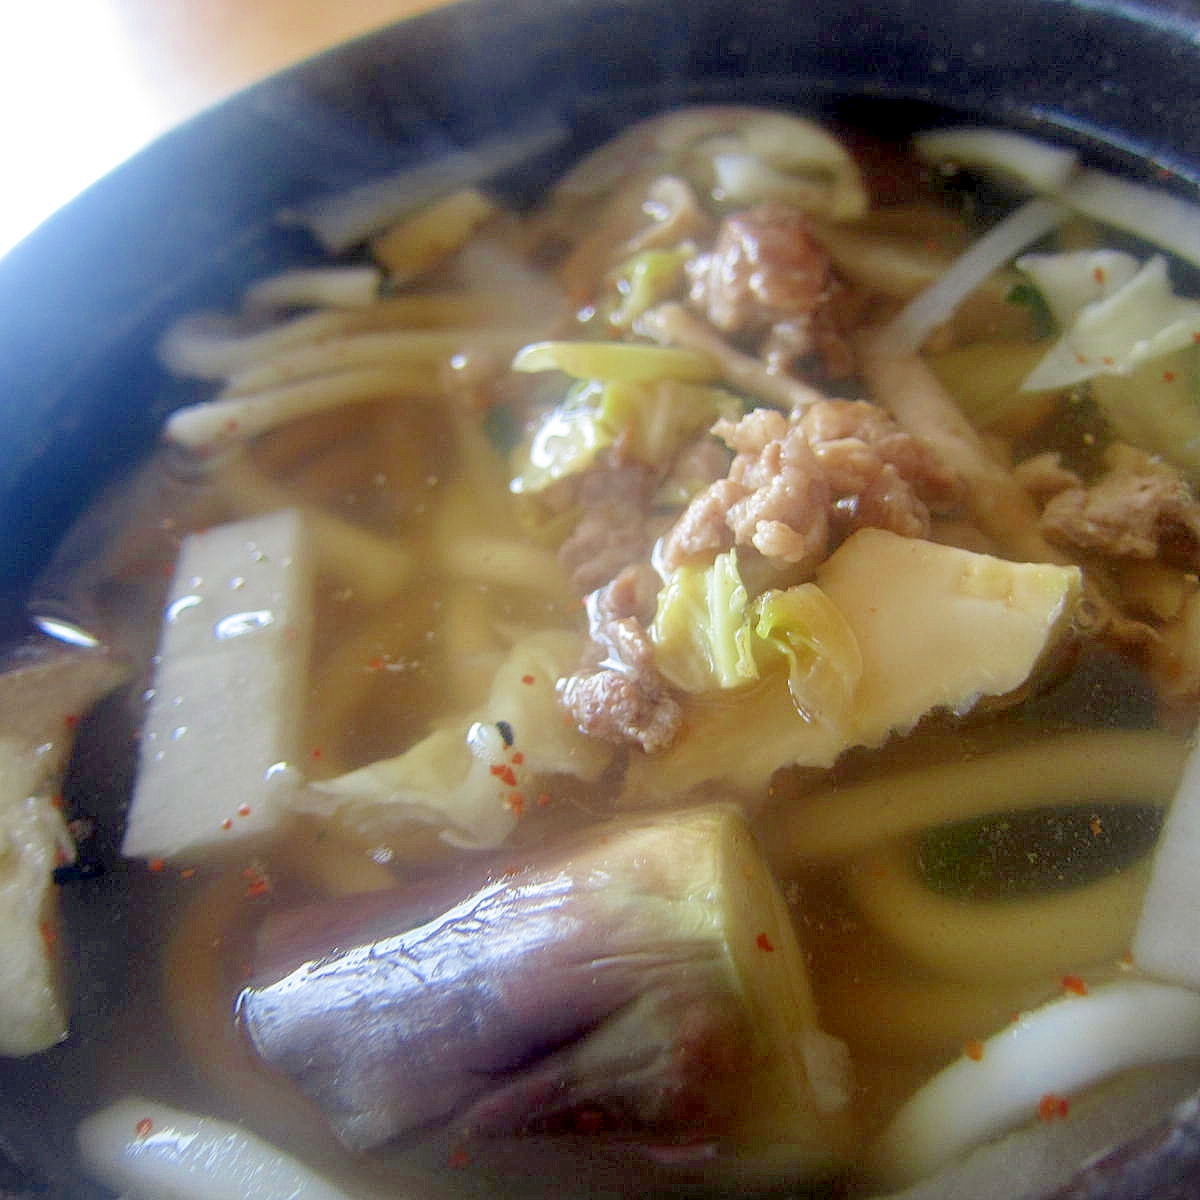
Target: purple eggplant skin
(593, 989)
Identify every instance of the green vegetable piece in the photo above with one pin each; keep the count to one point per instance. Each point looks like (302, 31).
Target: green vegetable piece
(657, 420)
(824, 661)
(647, 279)
(565, 443)
(1028, 296)
(1030, 853)
(654, 421)
(616, 361)
(1157, 407)
(701, 631)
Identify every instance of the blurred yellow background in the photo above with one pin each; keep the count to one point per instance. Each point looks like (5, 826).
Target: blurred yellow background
(86, 83)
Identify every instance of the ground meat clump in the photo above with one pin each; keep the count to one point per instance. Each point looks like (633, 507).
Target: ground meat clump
(618, 694)
(612, 531)
(1140, 508)
(764, 267)
(767, 275)
(798, 486)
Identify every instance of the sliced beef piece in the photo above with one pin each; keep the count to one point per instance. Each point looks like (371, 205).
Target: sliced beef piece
(613, 528)
(1140, 508)
(767, 274)
(765, 267)
(618, 695)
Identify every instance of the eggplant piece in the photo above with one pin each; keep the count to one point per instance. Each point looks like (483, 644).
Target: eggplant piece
(642, 980)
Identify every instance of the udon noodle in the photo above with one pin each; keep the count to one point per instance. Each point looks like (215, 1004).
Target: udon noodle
(822, 553)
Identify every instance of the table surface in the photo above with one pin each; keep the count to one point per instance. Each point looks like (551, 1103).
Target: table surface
(86, 83)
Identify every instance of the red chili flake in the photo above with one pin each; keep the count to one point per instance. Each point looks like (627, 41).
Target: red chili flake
(227, 823)
(71, 721)
(260, 887)
(1073, 983)
(60, 857)
(57, 802)
(1080, 359)
(1052, 1107)
(1168, 377)
(543, 799)
(505, 775)
(243, 810)
(187, 872)
(156, 865)
(143, 1127)
(517, 759)
(973, 1049)
(527, 680)
(377, 663)
(458, 1157)
(49, 936)
(764, 943)
(1108, 360)
(1196, 337)
(231, 425)
(316, 753)
(1099, 276)
(516, 802)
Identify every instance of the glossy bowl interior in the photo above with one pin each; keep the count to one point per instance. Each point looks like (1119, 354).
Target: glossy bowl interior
(187, 223)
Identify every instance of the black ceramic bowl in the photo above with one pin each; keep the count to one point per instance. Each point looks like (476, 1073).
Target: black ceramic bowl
(190, 220)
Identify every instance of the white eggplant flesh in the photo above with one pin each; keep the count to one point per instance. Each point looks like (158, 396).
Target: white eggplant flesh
(41, 700)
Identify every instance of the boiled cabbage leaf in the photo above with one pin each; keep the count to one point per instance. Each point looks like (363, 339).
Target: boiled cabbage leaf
(702, 633)
(1072, 280)
(471, 778)
(647, 279)
(1138, 322)
(652, 420)
(824, 661)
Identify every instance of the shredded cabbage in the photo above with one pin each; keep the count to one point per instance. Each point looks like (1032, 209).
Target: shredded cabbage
(654, 421)
(1074, 279)
(647, 279)
(1137, 322)
(462, 777)
(702, 631)
(624, 361)
(824, 660)
(1156, 407)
